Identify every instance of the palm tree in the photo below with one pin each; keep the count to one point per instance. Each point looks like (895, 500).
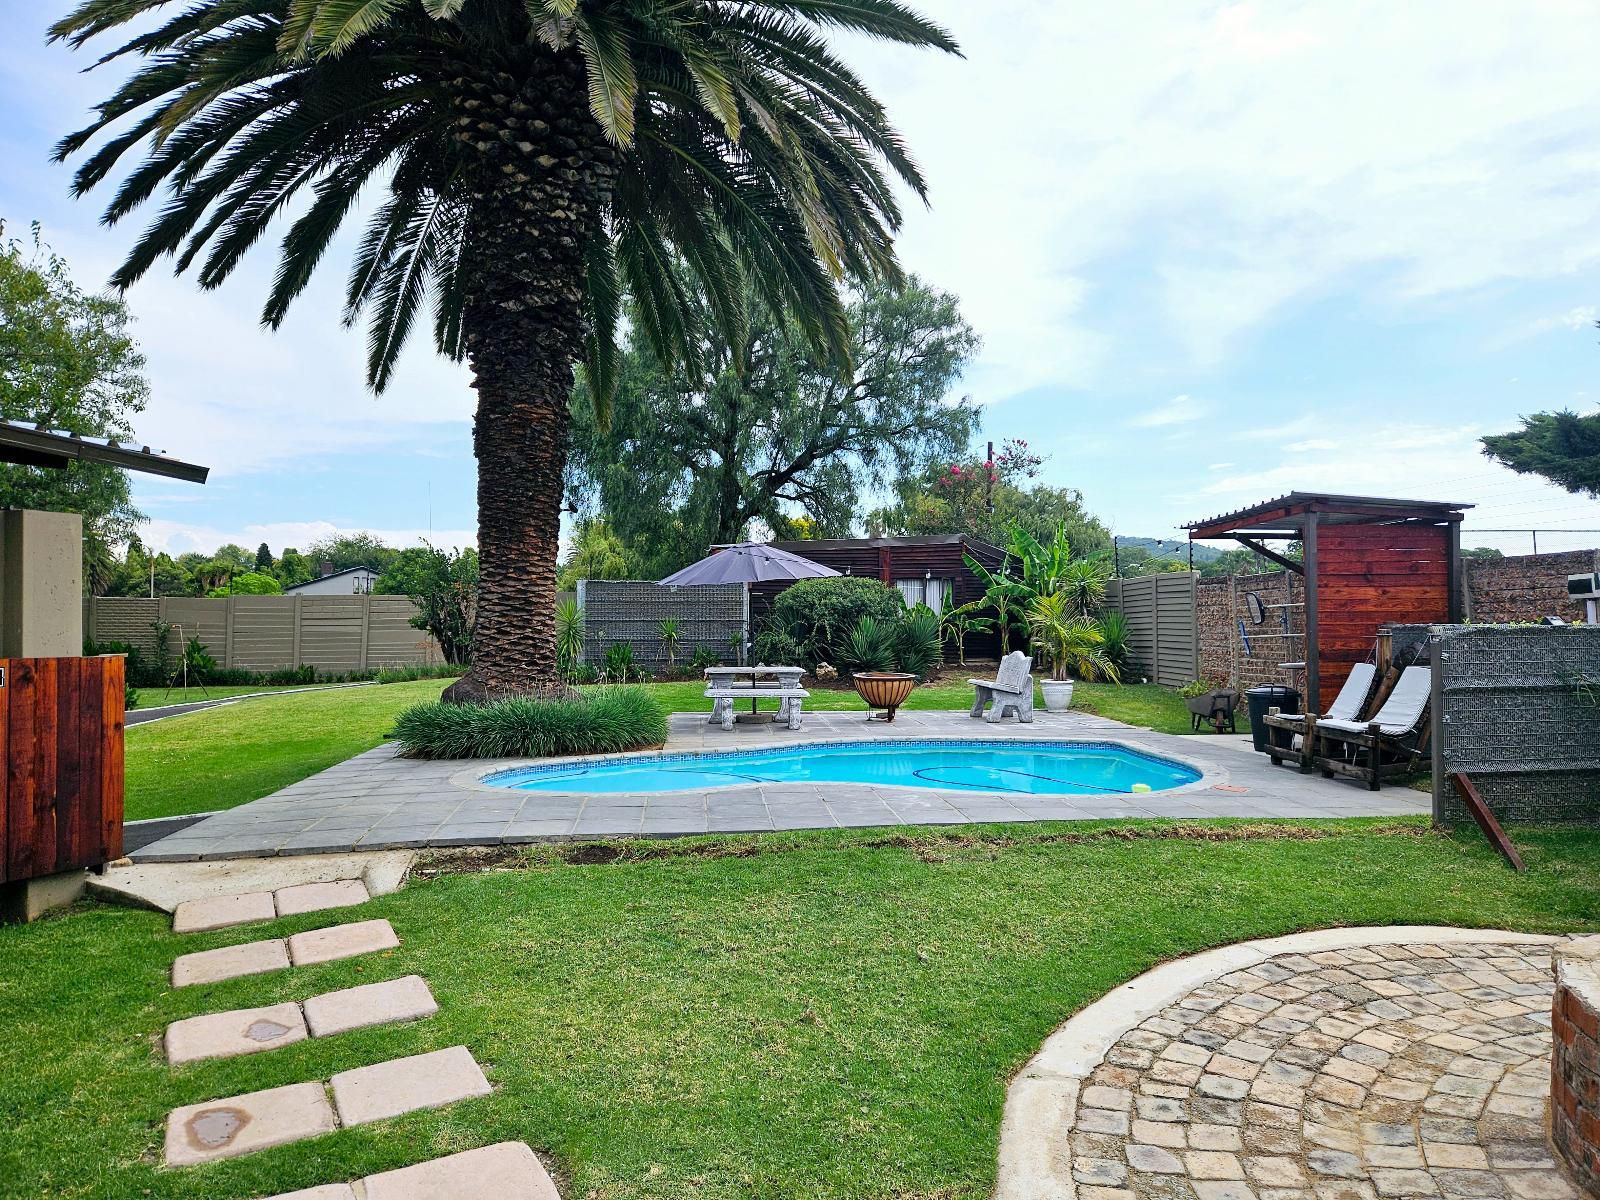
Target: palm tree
(535, 159)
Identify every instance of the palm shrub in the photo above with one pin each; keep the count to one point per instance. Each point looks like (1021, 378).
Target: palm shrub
(870, 646)
(620, 666)
(569, 636)
(598, 721)
(1084, 583)
(669, 632)
(918, 643)
(1115, 638)
(959, 622)
(528, 162)
(1071, 642)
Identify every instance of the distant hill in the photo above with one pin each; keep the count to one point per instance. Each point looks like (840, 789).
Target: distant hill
(1170, 548)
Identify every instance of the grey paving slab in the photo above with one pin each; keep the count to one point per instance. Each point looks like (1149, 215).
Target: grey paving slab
(229, 962)
(217, 1129)
(506, 1171)
(404, 999)
(404, 1085)
(380, 800)
(229, 1034)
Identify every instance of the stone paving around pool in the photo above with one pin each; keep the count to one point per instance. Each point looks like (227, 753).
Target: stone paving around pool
(379, 801)
(1342, 1065)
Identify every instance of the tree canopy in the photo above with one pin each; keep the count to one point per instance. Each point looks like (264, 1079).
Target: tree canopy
(767, 431)
(68, 361)
(1563, 447)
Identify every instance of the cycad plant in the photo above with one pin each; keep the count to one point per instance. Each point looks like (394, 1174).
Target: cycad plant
(525, 163)
(569, 637)
(669, 633)
(1071, 642)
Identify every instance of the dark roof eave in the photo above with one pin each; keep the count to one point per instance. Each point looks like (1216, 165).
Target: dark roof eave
(42, 448)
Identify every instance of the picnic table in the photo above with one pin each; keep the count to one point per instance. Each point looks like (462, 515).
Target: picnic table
(783, 684)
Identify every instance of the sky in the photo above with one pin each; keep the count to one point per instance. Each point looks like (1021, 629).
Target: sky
(1216, 252)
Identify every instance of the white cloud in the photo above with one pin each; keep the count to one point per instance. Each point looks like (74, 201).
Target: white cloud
(1243, 157)
(177, 537)
(1180, 410)
(1312, 444)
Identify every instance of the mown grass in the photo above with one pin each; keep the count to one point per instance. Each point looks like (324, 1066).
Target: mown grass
(228, 756)
(824, 1016)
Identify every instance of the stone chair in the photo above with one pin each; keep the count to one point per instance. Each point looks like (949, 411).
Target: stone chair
(1010, 690)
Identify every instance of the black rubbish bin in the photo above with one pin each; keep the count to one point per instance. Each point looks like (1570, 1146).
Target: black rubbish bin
(1270, 695)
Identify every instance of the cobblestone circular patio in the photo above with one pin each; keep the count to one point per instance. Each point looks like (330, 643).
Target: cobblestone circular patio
(1404, 1070)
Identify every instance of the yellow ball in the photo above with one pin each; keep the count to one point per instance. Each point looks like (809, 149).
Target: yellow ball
(1141, 787)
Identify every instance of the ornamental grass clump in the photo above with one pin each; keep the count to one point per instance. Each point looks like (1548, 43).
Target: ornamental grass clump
(606, 719)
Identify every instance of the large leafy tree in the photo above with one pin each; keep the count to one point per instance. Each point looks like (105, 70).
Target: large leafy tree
(766, 429)
(1563, 447)
(69, 362)
(534, 158)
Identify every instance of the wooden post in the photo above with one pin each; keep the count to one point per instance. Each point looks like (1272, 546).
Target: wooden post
(1375, 755)
(1385, 650)
(1313, 701)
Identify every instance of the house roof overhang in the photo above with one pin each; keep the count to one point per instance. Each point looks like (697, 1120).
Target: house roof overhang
(28, 445)
(1287, 515)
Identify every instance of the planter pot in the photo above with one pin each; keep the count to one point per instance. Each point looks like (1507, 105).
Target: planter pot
(883, 689)
(1057, 694)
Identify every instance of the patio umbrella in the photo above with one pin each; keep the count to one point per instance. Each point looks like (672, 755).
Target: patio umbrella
(747, 563)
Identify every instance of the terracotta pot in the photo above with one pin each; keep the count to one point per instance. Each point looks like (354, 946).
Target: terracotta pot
(884, 689)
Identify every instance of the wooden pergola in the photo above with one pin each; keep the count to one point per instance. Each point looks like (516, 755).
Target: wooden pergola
(1366, 561)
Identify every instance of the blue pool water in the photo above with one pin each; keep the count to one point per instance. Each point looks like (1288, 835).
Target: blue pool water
(1034, 768)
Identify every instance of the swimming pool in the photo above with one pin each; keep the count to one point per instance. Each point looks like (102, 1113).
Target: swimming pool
(1029, 768)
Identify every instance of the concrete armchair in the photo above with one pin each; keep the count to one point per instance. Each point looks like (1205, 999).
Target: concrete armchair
(1011, 689)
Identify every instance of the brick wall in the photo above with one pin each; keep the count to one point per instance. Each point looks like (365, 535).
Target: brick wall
(1575, 1061)
(1526, 587)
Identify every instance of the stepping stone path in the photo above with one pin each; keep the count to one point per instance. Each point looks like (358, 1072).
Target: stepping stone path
(227, 1128)
(1390, 1071)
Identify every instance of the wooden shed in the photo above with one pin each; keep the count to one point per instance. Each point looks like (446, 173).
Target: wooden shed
(925, 569)
(1366, 561)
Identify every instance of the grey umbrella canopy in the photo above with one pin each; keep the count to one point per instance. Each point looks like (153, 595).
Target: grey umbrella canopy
(747, 562)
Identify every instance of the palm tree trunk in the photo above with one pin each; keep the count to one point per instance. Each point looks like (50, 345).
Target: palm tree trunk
(546, 175)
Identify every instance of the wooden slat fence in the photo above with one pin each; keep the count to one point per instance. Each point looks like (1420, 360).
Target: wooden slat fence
(1163, 638)
(61, 792)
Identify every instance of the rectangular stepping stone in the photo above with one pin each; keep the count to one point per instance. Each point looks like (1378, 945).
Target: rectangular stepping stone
(228, 1034)
(403, 1085)
(406, 999)
(328, 1191)
(507, 1171)
(202, 1133)
(230, 962)
(314, 897)
(341, 941)
(218, 912)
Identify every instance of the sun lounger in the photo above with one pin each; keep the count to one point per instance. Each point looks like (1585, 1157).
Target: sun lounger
(1389, 744)
(1347, 706)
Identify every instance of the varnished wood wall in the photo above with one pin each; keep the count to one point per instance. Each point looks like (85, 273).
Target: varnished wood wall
(61, 791)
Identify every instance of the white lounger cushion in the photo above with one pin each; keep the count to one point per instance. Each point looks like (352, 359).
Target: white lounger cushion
(1401, 711)
(1347, 704)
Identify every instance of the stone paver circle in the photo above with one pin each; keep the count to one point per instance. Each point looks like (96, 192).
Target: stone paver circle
(1341, 1065)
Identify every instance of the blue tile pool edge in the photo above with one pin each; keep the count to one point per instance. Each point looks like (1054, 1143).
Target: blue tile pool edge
(479, 778)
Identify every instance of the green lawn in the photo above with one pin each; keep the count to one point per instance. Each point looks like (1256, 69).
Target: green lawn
(814, 1016)
(223, 757)
(160, 697)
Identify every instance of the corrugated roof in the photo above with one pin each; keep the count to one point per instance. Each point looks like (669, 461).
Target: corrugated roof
(30, 445)
(1336, 502)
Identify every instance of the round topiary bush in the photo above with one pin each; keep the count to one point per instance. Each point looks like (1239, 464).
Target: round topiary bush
(820, 614)
(598, 721)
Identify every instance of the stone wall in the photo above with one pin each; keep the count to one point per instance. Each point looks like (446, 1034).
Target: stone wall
(1526, 587)
(1575, 1061)
(1246, 659)
(1517, 709)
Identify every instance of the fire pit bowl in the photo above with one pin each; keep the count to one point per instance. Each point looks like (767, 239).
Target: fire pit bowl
(883, 689)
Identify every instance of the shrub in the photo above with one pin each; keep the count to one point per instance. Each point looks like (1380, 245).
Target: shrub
(410, 672)
(569, 637)
(822, 614)
(775, 646)
(620, 666)
(704, 656)
(607, 719)
(303, 675)
(870, 646)
(918, 643)
(670, 631)
(136, 669)
(130, 697)
(1115, 637)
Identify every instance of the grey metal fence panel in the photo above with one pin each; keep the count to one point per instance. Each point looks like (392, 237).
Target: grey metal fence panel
(631, 610)
(1163, 639)
(1517, 709)
(263, 633)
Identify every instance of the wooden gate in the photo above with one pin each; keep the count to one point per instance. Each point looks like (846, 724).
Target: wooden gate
(61, 790)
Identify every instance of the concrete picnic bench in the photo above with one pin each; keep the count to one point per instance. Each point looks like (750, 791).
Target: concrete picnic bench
(722, 690)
